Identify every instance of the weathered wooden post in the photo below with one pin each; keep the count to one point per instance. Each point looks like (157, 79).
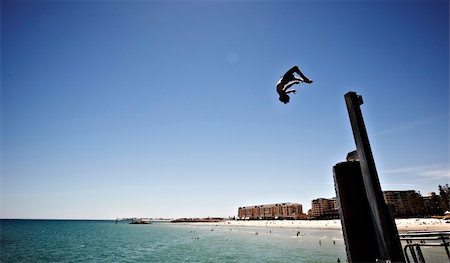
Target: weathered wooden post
(359, 232)
(382, 221)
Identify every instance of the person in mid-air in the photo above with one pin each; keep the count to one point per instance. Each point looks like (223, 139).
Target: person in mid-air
(287, 81)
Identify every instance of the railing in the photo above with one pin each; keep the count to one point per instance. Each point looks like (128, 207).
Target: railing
(417, 239)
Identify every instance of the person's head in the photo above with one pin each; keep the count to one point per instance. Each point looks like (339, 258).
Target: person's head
(284, 98)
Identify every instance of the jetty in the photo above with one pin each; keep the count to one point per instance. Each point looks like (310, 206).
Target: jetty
(140, 221)
(198, 220)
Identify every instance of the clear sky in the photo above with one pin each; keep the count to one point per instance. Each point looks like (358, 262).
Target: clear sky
(168, 108)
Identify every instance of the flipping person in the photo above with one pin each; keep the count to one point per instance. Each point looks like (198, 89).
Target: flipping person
(287, 81)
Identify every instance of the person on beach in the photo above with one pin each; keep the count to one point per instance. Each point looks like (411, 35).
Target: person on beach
(289, 79)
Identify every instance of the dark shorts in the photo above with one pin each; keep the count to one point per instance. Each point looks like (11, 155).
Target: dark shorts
(288, 77)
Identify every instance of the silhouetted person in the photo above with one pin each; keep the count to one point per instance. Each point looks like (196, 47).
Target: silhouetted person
(287, 81)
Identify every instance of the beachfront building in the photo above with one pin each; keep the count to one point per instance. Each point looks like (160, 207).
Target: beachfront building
(272, 211)
(324, 208)
(432, 204)
(405, 203)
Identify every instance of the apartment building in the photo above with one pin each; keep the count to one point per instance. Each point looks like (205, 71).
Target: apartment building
(324, 208)
(404, 203)
(272, 211)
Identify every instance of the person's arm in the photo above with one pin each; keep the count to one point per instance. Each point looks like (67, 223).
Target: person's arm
(296, 81)
(290, 91)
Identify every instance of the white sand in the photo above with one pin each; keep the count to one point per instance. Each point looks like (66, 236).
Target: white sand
(402, 224)
(423, 224)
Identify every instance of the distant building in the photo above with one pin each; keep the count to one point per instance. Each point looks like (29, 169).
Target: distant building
(324, 208)
(405, 203)
(432, 204)
(429, 202)
(272, 211)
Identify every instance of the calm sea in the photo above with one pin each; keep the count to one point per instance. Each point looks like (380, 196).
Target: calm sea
(106, 241)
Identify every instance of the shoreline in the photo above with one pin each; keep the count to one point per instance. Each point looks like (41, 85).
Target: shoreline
(403, 225)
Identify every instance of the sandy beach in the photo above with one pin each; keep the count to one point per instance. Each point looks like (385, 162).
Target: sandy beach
(411, 224)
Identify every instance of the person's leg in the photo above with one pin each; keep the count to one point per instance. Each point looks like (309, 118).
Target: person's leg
(289, 75)
(299, 72)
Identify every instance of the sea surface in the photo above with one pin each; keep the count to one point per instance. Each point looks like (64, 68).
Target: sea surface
(106, 241)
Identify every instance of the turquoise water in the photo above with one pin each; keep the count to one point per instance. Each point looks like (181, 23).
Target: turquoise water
(105, 241)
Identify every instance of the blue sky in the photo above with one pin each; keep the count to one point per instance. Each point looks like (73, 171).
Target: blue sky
(168, 108)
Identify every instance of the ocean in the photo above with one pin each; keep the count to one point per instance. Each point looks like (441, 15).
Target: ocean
(106, 241)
